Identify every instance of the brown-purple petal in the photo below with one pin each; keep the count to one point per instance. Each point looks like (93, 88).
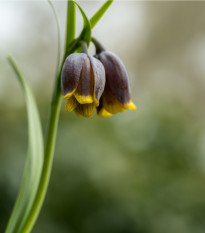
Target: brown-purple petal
(116, 76)
(85, 85)
(98, 72)
(71, 72)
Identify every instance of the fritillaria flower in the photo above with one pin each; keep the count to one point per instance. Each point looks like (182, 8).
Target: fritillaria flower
(82, 83)
(116, 96)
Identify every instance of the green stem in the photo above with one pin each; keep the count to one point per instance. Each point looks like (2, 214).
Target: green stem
(98, 46)
(84, 47)
(47, 165)
(52, 126)
(70, 28)
(70, 46)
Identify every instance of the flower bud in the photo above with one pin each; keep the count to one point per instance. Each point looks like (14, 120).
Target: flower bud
(116, 96)
(82, 83)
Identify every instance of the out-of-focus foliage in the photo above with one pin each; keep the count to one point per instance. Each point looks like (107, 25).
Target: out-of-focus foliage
(140, 172)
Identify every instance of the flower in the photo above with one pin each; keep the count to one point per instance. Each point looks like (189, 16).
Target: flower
(116, 96)
(82, 83)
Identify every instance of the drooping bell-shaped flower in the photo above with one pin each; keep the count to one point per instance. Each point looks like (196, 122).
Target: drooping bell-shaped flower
(82, 83)
(116, 96)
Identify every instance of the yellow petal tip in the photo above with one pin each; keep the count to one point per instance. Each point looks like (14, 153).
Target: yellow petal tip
(96, 101)
(85, 110)
(83, 99)
(104, 113)
(68, 95)
(131, 106)
(71, 104)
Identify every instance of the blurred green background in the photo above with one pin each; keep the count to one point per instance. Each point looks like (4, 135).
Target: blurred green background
(135, 172)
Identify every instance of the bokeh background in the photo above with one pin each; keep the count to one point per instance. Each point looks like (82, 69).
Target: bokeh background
(135, 172)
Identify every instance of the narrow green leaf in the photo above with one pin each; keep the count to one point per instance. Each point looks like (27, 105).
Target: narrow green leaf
(98, 15)
(70, 25)
(52, 128)
(58, 70)
(59, 36)
(34, 160)
(86, 32)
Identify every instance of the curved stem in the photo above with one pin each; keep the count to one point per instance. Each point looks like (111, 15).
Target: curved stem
(70, 46)
(84, 47)
(98, 46)
(47, 165)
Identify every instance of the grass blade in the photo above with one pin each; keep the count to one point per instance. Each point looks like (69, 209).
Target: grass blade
(86, 32)
(59, 36)
(98, 15)
(34, 159)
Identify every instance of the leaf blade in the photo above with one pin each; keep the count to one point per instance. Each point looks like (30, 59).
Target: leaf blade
(59, 36)
(34, 159)
(86, 32)
(98, 15)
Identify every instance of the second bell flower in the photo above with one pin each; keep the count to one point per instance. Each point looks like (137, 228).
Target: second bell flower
(116, 96)
(82, 83)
